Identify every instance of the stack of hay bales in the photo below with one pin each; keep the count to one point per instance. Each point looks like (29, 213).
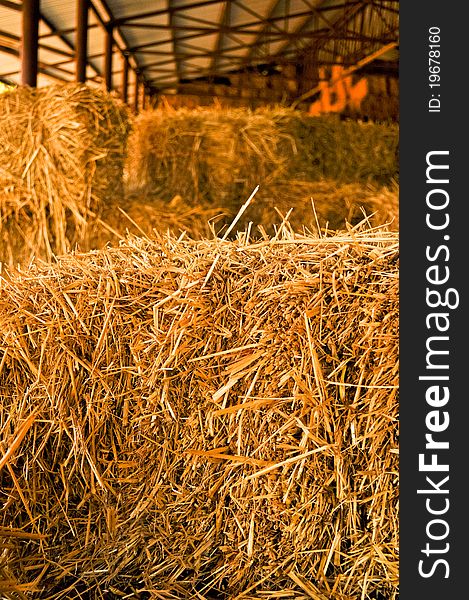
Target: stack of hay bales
(185, 419)
(217, 157)
(62, 152)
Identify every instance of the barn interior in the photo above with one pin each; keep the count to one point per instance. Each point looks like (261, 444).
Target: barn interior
(199, 299)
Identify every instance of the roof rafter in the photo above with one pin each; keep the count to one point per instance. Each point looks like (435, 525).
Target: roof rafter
(162, 11)
(174, 42)
(210, 40)
(295, 35)
(8, 4)
(350, 8)
(17, 40)
(225, 18)
(67, 31)
(266, 24)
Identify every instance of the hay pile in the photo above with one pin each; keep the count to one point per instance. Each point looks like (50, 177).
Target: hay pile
(62, 152)
(186, 419)
(220, 155)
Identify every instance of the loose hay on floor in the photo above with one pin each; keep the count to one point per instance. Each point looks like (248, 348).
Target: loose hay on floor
(202, 419)
(62, 153)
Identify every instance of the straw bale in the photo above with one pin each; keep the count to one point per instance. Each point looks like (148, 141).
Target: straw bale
(202, 419)
(62, 151)
(220, 155)
(144, 212)
(202, 155)
(317, 206)
(322, 205)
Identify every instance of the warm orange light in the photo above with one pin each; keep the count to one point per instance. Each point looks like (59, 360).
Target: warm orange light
(338, 92)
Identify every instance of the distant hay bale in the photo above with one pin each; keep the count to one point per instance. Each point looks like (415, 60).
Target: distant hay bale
(62, 151)
(220, 155)
(145, 213)
(322, 205)
(185, 419)
(310, 206)
(203, 155)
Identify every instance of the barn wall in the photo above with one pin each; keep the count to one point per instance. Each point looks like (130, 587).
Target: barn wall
(361, 95)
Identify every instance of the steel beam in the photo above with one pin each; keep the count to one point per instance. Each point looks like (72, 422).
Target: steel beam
(225, 19)
(16, 40)
(120, 39)
(8, 4)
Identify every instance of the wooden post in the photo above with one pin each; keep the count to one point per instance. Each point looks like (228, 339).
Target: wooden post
(81, 46)
(125, 80)
(30, 42)
(108, 57)
(137, 90)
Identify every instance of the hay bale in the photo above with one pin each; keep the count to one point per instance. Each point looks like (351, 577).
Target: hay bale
(202, 419)
(347, 151)
(62, 151)
(220, 155)
(324, 205)
(207, 155)
(145, 213)
(320, 206)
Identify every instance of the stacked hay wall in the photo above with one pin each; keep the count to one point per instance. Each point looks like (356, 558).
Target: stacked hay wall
(62, 153)
(202, 419)
(211, 153)
(218, 156)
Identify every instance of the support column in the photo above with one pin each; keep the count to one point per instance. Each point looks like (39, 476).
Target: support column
(144, 98)
(81, 45)
(30, 42)
(125, 80)
(108, 58)
(137, 91)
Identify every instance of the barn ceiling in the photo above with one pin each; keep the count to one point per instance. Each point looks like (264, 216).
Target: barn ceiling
(170, 43)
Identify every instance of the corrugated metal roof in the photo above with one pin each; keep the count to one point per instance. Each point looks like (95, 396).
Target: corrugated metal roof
(171, 42)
